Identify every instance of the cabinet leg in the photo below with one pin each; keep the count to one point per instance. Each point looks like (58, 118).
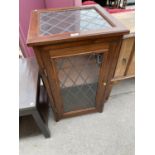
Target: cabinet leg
(100, 110)
(107, 94)
(41, 124)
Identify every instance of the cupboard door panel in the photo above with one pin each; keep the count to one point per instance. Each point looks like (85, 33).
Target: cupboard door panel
(78, 79)
(125, 53)
(131, 68)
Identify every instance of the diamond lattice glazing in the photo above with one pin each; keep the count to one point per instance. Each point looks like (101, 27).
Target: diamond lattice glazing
(72, 21)
(78, 77)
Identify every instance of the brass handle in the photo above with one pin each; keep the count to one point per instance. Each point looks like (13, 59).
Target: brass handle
(104, 83)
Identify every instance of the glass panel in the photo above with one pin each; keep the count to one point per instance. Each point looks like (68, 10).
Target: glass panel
(78, 76)
(71, 21)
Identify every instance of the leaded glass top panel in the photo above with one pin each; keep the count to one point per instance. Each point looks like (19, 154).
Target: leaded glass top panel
(71, 21)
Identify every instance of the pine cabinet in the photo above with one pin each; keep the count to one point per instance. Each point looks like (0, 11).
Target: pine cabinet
(126, 62)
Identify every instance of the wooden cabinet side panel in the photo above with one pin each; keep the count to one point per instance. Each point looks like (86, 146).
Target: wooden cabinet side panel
(113, 58)
(124, 56)
(45, 80)
(131, 68)
(53, 81)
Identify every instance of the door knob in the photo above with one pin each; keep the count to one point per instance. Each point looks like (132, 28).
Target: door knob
(104, 83)
(124, 60)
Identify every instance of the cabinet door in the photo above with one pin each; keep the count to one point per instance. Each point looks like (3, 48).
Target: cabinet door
(131, 68)
(124, 57)
(76, 80)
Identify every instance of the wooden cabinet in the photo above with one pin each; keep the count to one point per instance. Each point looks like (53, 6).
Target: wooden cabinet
(77, 51)
(131, 65)
(126, 62)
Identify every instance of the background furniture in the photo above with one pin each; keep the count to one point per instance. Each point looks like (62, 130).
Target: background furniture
(31, 95)
(126, 62)
(67, 53)
(101, 2)
(130, 2)
(113, 3)
(109, 3)
(111, 10)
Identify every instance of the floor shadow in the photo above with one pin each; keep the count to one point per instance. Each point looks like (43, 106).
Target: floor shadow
(28, 127)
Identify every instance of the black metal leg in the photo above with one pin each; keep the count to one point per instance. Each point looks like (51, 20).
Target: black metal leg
(41, 124)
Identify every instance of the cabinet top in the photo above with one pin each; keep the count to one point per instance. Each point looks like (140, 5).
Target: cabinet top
(127, 18)
(49, 26)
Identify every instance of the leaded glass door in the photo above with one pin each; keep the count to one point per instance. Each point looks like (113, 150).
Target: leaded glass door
(78, 78)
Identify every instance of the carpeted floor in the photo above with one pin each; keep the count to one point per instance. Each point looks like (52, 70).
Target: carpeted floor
(107, 133)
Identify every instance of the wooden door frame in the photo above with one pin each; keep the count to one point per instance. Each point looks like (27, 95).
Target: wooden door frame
(54, 81)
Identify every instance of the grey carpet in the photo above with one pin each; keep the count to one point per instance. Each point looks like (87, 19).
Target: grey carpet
(107, 133)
